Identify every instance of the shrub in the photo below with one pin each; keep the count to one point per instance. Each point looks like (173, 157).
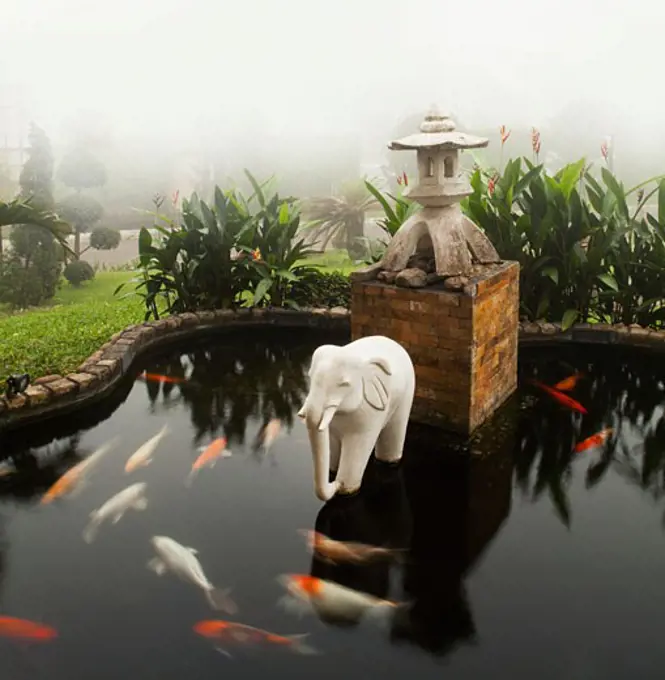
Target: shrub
(321, 289)
(104, 238)
(78, 271)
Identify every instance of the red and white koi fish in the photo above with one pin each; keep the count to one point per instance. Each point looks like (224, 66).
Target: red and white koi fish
(232, 633)
(563, 399)
(335, 552)
(594, 440)
(330, 599)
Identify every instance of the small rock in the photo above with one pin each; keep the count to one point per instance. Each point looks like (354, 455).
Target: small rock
(387, 277)
(427, 264)
(411, 278)
(455, 282)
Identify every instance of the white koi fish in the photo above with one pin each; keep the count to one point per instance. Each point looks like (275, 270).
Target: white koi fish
(330, 599)
(115, 507)
(143, 455)
(182, 561)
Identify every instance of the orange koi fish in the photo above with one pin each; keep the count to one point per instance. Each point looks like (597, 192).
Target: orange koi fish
(230, 632)
(209, 456)
(156, 377)
(594, 440)
(270, 433)
(334, 552)
(73, 479)
(568, 383)
(20, 629)
(563, 399)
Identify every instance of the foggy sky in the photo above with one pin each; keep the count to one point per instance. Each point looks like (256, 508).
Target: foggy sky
(298, 69)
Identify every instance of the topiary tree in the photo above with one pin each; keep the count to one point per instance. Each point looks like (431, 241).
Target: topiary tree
(104, 238)
(82, 212)
(31, 273)
(78, 271)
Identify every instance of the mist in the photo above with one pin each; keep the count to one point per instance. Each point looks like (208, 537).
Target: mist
(314, 92)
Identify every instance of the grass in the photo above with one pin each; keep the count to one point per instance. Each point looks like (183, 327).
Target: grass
(58, 338)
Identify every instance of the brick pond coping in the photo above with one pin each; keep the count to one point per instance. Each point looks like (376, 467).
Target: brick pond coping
(98, 375)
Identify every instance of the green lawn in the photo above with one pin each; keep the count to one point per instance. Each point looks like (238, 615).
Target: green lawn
(58, 338)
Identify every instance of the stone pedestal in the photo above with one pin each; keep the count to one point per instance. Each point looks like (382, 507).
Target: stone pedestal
(463, 344)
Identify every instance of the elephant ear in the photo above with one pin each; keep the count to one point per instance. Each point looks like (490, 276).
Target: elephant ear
(375, 391)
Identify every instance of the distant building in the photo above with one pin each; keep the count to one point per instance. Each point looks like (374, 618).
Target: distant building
(14, 126)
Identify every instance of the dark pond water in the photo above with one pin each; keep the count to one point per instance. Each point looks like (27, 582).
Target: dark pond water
(526, 560)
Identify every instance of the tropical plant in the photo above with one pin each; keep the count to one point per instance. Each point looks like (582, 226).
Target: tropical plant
(395, 217)
(321, 289)
(572, 236)
(340, 219)
(274, 251)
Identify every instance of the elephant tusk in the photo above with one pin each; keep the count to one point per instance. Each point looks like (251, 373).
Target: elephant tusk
(327, 417)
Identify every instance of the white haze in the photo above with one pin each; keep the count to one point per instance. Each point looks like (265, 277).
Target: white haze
(252, 74)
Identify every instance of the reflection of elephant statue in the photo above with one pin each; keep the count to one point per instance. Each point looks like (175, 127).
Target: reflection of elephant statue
(360, 395)
(378, 515)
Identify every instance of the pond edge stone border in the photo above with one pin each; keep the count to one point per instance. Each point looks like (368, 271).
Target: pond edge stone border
(100, 373)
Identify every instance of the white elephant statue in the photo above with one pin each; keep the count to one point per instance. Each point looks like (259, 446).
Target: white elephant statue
(360, 395)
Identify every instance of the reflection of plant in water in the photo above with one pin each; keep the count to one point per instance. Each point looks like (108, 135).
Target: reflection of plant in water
(235, 380)
(619, 392)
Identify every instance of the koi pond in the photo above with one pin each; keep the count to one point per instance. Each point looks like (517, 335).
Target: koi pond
(535, 550)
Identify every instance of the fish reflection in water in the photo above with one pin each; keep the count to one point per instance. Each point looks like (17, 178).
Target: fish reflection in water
(229, 633)
(183, 563)
(26, 631)
(143, 455)
(73, 480)
(114, 508)
(307, 593)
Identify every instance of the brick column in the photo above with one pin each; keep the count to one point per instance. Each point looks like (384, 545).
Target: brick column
(463, 344)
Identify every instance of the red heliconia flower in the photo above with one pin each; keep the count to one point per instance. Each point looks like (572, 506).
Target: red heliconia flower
(504, 134)
(535, 140)
(605, 149)
(174, 198)
(491, 185)
(406, 179)
(399, 180)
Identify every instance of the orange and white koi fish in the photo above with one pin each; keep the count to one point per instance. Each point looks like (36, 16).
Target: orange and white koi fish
(143, 455)
(26, 631)
(156, 377)
(270, 433)
(563, 399)
(209, 457)
(594, 440)
(335, 552)
(568, 383)
(74, 478)
(229, 632)
(330, 599)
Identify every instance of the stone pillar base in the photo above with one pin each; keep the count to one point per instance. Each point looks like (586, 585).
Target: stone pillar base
(463, 344)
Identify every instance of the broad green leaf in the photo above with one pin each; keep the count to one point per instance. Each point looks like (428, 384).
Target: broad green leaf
(661, 203)
(609, 281)
(552, 273)
(284, 213)
(145, 240)
(569, 318)
(617, 190)
(569, 176)
(543, 306)
(261, 290)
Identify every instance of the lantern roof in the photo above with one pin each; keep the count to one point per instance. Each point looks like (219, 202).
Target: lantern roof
(437, 131)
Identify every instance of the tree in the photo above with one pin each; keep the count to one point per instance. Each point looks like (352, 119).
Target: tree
(31, 273)
(341, 219)
(82, 212)
(80, 169)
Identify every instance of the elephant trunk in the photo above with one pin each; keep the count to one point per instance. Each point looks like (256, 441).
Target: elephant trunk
(319, 440)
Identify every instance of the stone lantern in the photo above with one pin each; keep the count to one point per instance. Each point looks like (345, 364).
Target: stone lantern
(439, 232)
